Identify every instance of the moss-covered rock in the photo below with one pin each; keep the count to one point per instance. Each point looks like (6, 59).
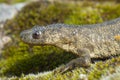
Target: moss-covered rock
(11, 1)
(92, 12)
(23, 60)
(98, 71)
(38, 13)
(19, 58)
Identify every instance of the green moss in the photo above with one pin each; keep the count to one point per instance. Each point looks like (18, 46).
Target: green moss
(81, 16)
(108, 11)
(44, 13)
(23, 60)
(101, 68)
(95, 72)
(12, 1)
(92, 12)
(38, 13)
(19, 58)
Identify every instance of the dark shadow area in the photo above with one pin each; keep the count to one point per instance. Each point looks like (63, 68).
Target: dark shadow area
(40, 62)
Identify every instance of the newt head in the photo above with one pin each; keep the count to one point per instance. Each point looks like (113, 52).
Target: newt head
(35, 35)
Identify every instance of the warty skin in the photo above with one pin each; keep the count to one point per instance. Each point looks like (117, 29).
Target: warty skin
(86, 41)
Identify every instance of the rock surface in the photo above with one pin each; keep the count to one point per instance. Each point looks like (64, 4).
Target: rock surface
(7, 12)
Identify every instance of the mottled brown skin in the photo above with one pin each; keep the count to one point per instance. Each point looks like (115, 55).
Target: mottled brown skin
(87, 41)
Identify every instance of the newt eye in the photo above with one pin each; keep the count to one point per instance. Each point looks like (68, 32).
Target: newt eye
(36, 35)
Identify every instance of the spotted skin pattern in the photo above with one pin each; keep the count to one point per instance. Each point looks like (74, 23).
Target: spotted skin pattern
(87, 41)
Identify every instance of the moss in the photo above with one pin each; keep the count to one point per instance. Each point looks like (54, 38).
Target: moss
(40, 13)
(101, 68)
(11, 1)
(44, 13)
(97, 71)
(92, 12)
(114, 76)
(41, 58)
(19, 58)
(81, 16)
(108, 11)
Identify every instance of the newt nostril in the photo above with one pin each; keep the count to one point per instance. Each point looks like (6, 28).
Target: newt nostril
(21, 35)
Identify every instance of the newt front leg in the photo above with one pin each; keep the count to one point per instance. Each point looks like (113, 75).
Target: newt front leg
(84, 60)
